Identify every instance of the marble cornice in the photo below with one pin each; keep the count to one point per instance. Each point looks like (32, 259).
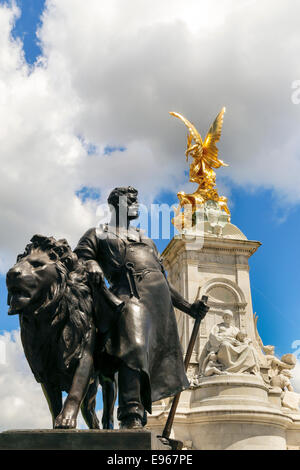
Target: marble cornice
(210, 245)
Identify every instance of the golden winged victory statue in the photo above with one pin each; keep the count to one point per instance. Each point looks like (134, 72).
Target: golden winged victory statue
(205, 158)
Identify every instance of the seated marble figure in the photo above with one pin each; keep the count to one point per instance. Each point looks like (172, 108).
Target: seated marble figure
(229, 350)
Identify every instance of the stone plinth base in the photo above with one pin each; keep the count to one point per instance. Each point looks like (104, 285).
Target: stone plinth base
(229, 412)
(66, 439)
(233, 389)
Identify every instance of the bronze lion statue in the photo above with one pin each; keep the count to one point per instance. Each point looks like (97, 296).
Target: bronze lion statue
(48, 288)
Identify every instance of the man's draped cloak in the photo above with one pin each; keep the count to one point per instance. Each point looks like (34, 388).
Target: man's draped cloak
(145, 334)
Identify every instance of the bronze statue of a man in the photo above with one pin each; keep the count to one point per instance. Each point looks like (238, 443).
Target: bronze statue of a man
(143, 344)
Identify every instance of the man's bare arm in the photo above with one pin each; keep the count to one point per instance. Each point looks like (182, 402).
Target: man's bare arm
(194, 309)
(178, 301)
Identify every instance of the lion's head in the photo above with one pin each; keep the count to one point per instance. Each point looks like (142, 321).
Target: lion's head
(40, 274)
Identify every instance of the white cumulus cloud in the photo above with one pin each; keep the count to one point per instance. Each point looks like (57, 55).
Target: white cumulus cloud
(22, 402)
(108, 75)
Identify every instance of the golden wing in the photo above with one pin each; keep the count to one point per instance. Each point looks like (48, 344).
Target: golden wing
(188, 145)
(192, 129)
(189, 140)
(210, 150)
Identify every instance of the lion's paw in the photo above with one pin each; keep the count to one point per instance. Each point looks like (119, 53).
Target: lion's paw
(65, 422)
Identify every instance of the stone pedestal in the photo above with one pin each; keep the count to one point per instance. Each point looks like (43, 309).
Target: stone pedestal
(230, 412)
(65, 439)
(237, 411)
(216, 266)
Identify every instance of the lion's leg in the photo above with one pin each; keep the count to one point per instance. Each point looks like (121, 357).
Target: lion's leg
(88, 406)
(54, 398)
(109, 394)
(68, 416)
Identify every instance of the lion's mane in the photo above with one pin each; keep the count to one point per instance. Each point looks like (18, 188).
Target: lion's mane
(69, 299)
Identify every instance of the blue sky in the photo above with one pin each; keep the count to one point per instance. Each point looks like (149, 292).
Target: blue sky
(27, 25)
(261, 128)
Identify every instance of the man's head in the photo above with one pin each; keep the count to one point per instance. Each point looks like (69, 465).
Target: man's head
(125, 200)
